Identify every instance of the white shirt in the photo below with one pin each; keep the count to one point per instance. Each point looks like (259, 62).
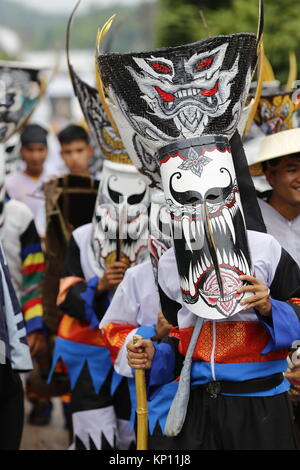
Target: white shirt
(135, 302)
(27, 190)
(17, 217)
(286, 232)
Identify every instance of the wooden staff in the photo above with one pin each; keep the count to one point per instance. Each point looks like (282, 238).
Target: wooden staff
(141, 405)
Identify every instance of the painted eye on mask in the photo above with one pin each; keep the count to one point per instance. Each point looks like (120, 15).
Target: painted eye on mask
(219, 195)
(136, 198)
(115, 196)
(159, 67)
(190, 198)
(204, 64)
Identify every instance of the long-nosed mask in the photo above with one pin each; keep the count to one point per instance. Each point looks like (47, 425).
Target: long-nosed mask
(181, 106)
(120, 223)
(20, 89)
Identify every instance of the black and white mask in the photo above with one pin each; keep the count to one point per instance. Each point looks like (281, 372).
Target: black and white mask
(178, 93)
(180, 107)
(208, 225)
(120, 224)
(20, 89)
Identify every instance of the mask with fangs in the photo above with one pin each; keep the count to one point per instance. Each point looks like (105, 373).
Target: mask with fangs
(120, 223)
(177, 109)
(209, 232)
(177, 93)
(20, 89)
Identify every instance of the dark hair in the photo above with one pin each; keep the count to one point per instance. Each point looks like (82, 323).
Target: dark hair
(33, 134)
(275, 161)
(72, 133)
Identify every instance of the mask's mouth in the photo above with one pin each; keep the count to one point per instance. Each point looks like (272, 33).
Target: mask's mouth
(213, 263)
(131, 242)
(189, 97)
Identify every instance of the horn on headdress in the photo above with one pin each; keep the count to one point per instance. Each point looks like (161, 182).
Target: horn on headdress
(100, 36)
(293, 71)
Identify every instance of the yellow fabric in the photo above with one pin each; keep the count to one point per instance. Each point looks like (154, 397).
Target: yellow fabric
(34, 258)
(36, 311)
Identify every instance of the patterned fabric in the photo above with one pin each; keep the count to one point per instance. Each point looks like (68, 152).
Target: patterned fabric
(33, 268)
(12, 330)
(25, 259)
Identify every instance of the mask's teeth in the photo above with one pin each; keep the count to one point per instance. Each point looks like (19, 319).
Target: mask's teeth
(200, 236)
(205, 120)
(225, 257)
(229, 222)
(195, 277)
(231, 260)
(191, 281)
(198, 269)
(222, 223)
(206, 261)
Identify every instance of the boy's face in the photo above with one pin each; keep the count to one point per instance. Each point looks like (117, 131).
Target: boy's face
(34, 156)
(77, 155)
(285, 180)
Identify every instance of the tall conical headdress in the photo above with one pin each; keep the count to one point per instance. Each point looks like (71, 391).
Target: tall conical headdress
(120, 219)
(108, 140)
(177, 109)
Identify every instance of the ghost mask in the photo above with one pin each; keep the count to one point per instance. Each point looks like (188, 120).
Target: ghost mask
(177, 109)
(208, 225)
(120, 223)
(20, 90)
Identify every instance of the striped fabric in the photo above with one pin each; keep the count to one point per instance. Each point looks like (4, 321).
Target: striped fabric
(33, 267)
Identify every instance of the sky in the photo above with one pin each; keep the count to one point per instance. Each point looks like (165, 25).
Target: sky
(64, 6)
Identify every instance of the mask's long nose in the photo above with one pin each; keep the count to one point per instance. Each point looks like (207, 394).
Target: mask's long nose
(121, 226)
(212, 247)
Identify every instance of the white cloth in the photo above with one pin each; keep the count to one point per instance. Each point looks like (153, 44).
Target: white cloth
(17, 217)
(136, 302)
(286, 232)
(29, 191)
(82, 236)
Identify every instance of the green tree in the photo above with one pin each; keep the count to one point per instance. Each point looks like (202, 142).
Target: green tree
(179, 22)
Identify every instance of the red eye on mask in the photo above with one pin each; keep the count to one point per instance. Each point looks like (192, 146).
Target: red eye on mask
(159, 67)
(204, 63)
